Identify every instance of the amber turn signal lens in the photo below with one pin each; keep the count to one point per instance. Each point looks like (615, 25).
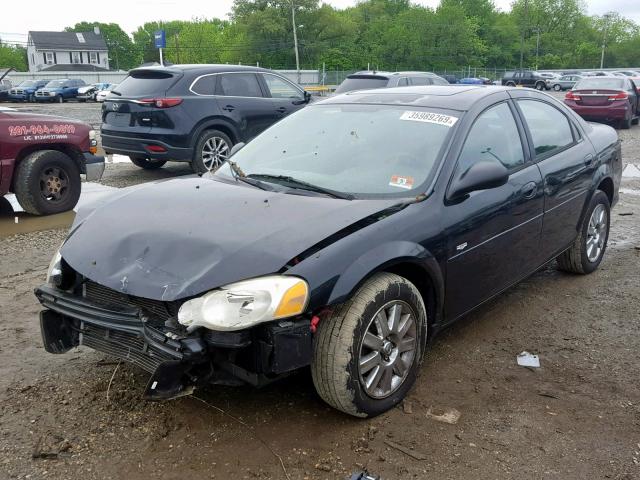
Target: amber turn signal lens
(293, 301)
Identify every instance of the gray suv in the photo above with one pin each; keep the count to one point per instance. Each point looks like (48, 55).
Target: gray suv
(373, 79)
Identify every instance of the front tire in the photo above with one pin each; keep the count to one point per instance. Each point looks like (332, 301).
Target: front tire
(367, 352)
(587, 251)
(211, 151)
(540, 86)
(147, 163)
(59, 99)
(47, 182)
(557, 87)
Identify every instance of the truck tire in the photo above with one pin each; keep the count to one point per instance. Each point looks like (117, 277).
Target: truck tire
(147, 163)
(586, 253)
(510, 84)
(31, 98)
(47, 182)
(59, 99)
(540, 86)
(367, 352)
(211, 151)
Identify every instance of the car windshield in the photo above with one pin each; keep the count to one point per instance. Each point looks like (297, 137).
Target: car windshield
(361, 83)
(595, 83)
(55, 84)
(27, 83)
(354, 149)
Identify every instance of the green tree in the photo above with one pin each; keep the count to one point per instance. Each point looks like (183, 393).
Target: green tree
(13, 56)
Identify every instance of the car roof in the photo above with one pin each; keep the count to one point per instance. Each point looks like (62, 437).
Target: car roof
(202, 68)
(376, 73)
(436, 96)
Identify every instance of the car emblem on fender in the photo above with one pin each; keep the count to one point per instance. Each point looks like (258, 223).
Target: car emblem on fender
(115, 107)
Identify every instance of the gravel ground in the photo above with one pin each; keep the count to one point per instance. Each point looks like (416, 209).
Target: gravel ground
(80, 416)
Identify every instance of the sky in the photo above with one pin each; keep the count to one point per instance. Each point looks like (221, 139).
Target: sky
(130, 14)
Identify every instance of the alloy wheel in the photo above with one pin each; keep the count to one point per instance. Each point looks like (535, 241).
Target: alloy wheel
(597, 233)
(215, 152)
(388, 349)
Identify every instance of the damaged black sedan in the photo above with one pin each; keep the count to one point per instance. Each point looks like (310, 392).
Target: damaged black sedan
(342, 238)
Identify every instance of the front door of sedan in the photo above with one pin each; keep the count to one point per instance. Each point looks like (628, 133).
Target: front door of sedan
(241, 99)
(566, 160)
(286, 98)
(492, 235)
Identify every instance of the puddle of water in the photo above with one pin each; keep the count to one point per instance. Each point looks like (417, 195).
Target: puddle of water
(17, 221)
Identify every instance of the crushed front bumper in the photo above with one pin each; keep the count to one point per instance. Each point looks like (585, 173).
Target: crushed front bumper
(178, 361)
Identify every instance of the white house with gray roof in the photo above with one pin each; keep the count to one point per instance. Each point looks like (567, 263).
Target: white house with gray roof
(67, 51)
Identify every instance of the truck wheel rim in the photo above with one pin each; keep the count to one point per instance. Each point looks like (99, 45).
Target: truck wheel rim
(597, 233)
(214, 153)
(54, 184)
(388, 349)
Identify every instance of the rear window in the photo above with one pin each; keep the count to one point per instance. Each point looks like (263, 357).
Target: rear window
(361, 83)
(146, 83)
(600, 83)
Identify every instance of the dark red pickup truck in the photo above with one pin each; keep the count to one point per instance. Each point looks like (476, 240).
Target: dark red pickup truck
(42, 157)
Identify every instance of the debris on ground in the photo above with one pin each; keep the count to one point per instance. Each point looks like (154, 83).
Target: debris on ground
(364, 475)
(407, 407)
(406, 450)
(445, 415)
(526, 359)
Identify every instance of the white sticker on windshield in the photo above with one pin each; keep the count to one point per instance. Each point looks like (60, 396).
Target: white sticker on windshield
(430, 117)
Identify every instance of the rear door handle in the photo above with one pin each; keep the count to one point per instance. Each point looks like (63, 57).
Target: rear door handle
(588, 159)
(229, 108)
(529, 190)
(281, 110)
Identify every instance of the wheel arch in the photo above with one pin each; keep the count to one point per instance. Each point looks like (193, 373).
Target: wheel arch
(215, 123)
(71, 151)
(406, 259)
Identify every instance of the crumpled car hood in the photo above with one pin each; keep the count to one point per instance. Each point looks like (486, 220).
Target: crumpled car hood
(176, 239)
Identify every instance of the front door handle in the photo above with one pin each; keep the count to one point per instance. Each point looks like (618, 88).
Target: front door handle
(281, 110)
(588, 159)
(229, 108)
(529, 190)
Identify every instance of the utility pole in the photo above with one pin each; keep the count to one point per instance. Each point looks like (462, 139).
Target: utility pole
(177, 49)
(537, 46)
(604, 39)
(524, 29)
(295, 38)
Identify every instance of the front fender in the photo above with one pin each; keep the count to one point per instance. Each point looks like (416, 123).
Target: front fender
(376, 259)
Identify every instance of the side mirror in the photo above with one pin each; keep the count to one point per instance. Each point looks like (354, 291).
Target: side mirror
(480, 176)
(236, 148)
(307, 97)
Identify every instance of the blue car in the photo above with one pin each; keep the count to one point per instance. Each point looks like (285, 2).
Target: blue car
(25, 91)
(59, 90)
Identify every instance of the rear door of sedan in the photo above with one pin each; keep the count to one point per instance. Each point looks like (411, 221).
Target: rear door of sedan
(492, 235)
(566, 160)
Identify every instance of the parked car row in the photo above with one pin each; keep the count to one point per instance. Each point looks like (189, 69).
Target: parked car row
(59, 90)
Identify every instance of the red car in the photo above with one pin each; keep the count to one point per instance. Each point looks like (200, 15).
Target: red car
(606, 99)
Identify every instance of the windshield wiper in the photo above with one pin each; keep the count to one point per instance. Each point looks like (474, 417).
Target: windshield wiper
(239, 175)
(301, 184)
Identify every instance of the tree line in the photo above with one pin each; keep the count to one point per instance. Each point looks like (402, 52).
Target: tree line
(382, 34)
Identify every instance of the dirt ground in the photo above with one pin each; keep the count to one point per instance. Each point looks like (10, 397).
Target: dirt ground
(80, 415)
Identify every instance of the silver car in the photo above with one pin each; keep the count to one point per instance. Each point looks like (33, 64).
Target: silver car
(565, 82)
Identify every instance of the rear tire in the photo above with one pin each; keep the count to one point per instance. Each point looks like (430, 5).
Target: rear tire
(510, 84)
(587, 251)
(147, 163)
(356, 367)
(557, 87)
(211, 151)
(626, 123)
(540, 86)
(47, 182)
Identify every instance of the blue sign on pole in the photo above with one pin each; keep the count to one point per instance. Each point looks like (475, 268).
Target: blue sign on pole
(160, 39)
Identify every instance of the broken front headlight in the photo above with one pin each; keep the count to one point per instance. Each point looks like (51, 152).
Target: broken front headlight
(244, 304)
(54, 274)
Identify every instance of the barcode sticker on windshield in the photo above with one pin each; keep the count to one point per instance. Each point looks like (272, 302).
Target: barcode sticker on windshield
(430, 117)
(401, 182)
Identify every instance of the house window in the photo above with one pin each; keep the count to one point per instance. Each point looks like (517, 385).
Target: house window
(49, 58)
(93, 57)
(75, 57)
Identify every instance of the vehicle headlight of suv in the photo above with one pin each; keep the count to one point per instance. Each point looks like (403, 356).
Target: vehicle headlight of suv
(51, 94)
(247, 303)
